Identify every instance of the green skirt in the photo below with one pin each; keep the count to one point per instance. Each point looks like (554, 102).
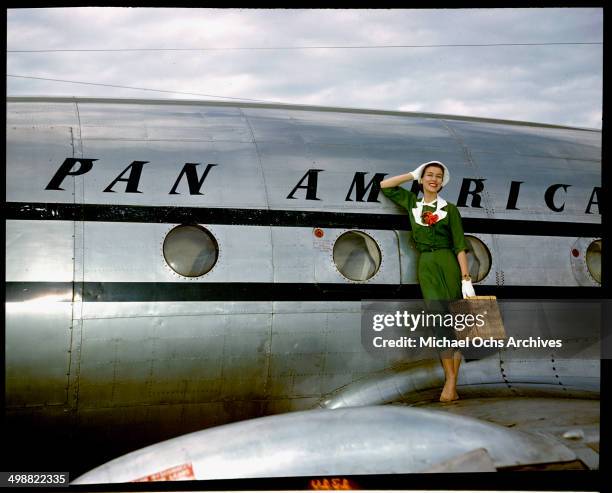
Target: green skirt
(439, 275)
(440, 280)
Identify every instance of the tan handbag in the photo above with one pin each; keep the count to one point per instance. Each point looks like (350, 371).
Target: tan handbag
(488, 322)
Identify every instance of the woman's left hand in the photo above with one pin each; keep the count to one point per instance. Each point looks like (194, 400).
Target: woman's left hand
(467, 289)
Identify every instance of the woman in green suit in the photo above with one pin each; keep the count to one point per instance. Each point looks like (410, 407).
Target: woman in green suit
(437, 231)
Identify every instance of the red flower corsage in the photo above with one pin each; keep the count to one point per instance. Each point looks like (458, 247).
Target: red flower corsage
(429, 218)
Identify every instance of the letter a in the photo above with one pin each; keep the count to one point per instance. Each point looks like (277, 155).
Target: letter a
(595, 193)
(311, 188)
(132, 180)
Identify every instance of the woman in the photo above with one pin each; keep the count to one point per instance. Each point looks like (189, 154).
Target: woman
(438, 234)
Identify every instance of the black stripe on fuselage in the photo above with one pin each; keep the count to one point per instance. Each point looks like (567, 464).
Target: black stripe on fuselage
(287, 218)
(247, 291)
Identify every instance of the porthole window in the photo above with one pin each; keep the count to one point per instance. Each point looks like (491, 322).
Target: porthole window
(190, 250)
(479, 258)
(357, 256)
(593, 260)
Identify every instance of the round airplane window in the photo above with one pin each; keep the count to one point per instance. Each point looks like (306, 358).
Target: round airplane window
(357, 256)
(479, 258)
(190, 250)
(593, 260)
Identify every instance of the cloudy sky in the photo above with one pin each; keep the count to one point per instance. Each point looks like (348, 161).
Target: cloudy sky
(543, 81)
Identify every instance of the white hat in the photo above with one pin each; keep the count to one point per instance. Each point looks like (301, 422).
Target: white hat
(446, 177)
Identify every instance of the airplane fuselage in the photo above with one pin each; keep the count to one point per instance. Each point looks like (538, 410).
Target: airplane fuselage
(174, 265)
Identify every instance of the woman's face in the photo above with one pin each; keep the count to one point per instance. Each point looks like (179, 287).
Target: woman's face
(432, 179)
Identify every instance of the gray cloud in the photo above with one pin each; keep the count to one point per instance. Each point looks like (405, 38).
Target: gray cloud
(552, 84)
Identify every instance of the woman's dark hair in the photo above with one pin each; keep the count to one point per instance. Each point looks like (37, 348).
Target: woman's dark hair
(425, 169)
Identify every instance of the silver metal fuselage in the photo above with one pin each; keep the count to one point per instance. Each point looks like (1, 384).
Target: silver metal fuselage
(105, 343)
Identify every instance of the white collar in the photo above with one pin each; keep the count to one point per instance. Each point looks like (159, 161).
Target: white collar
(418, 210)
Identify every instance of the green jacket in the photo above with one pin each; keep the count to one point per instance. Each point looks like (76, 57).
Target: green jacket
(446, 233)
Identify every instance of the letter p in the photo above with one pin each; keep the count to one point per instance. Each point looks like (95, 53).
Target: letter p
(66, 169)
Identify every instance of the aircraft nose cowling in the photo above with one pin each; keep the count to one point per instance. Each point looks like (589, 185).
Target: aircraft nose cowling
(365, 440)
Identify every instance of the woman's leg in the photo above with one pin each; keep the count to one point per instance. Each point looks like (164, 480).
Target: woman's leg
(451, 367)
(457, 361)
(440, 281)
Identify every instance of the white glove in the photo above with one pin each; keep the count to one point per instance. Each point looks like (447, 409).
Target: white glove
(467, 289)
(416, 174)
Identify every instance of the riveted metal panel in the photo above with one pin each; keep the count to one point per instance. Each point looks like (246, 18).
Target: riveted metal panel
(581, 372)
(346, 128)
(165, 161)
(342, 129)
(134, 252)
(329, 307)
(294, 255)
(315, 352)
(279, 108)
(537, 174)
(409, 257)
(300, 256)
(275, 126)
(284, 165)
(339, 144)
(343, 144)
(529, 140)
(39, 251)
(168, 137)
(33, 156)
(166, 122)
(37, 338)
(130, 309)
(115, 130)
(549, 261)
(41, 113)
(181, 359)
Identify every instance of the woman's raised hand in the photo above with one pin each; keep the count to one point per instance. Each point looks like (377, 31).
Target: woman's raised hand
(416, 174)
